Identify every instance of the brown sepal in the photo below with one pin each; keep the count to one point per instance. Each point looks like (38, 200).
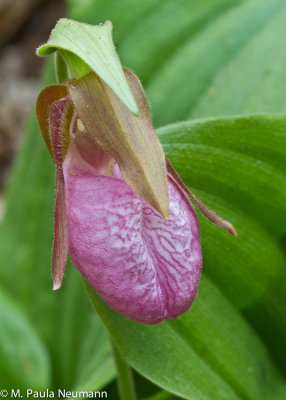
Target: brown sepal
(44, 102)
(130, 140)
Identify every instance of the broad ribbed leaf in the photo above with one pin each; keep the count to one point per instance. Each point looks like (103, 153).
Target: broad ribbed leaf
(124, 14)
(232, 64)
(237, 166)
(24, 359)
(213, 347)
(167, 28)
(258, 66)
(95, 366)
(207, 353)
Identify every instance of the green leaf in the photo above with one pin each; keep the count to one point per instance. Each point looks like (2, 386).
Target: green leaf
(82, 354)
(232, 64)
(256, 87)
(213, 348)
(239, 166)
(208, 350)
(24, 358)
(249, 149)
(94, 369)
(84, 48)
(162, 396)
(124, 14)
(166, 29)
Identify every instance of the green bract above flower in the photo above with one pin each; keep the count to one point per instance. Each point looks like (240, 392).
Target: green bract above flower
(90, 48)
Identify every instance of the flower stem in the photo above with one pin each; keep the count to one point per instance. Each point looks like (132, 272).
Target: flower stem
(61, 69)
(125, 382)
(126, 386)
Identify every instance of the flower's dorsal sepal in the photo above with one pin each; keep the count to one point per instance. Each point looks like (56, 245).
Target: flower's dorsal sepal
(130, 140)
(85, 47)
(60, 115)
(212, 216)
(44, 102)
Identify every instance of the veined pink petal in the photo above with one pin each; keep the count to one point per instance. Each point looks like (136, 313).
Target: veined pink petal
(143, 266)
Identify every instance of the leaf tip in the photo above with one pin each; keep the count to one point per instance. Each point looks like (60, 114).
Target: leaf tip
(38, 50)
(44, 50)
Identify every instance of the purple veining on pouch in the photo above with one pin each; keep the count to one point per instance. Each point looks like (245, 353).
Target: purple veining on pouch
(141, 265)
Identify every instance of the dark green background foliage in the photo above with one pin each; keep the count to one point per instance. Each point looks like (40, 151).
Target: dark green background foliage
(196, 59)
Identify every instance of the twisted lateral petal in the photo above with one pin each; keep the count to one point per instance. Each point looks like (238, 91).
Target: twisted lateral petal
(143, 266)
(60, 114)
(212, 216)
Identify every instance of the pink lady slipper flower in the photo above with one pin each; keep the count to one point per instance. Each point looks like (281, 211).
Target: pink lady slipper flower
(122, 212)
